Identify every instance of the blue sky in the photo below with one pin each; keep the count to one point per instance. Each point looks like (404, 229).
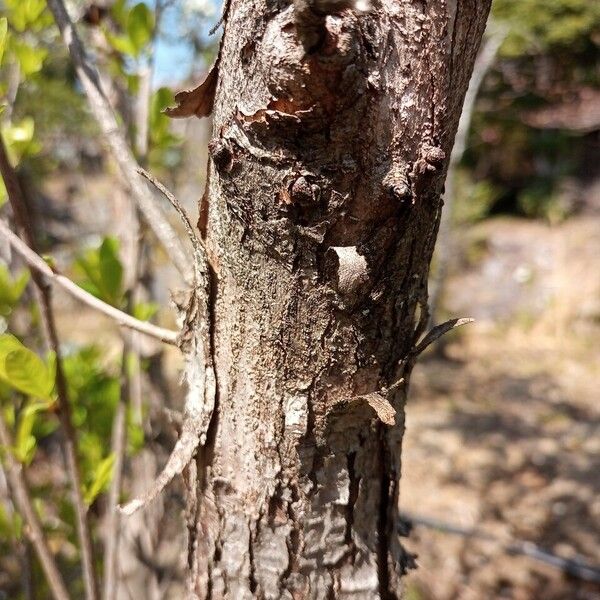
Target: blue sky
(174, 57)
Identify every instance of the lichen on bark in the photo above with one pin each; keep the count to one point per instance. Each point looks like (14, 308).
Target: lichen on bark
(331, 138)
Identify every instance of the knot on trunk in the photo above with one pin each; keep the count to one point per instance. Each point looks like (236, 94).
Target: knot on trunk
(348, 271)
(310, 16)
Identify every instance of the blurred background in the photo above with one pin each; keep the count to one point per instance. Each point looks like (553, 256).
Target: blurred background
(503, 425)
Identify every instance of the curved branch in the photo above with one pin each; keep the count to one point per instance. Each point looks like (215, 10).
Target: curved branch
(39, 264)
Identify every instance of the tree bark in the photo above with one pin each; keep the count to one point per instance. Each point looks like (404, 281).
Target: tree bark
(331, 138)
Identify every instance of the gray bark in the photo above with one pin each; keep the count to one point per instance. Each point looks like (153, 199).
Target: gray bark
(330, 145)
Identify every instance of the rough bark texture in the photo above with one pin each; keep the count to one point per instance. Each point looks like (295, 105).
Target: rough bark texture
(331, 139)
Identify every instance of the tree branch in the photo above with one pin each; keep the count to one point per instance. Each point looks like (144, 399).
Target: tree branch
(437, 332)
(69, 438)
(193, 236)
(33, 528)
(116, 141)
(118, 446)
(574, 567)
(41, 266)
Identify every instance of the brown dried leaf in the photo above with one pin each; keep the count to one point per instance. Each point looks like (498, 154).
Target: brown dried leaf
(198, 101)
(377, 402)
(438, 331)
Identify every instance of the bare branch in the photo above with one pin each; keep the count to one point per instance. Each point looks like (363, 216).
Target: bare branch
(182, 454)
(130, 395)
(69, 439)
(41, 266)
(198, 410)
(575, 567)
(118, 446)
(194, 239)
(23, 503)
(116, 141)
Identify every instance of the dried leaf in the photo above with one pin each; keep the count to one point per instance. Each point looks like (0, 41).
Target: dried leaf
(198, 101)
(376, 401)
(438, 331)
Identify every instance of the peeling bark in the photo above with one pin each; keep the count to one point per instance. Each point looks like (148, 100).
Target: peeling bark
(332, 132)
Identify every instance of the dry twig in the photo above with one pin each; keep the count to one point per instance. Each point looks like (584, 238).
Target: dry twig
(116, 140)
(69, 438)
(118, 446)
(575, 567)
(437, 332)
(198, 371)
(36, 262)
(185, 219)
(33, 528)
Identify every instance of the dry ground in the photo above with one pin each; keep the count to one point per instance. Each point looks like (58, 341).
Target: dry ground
(503, 430)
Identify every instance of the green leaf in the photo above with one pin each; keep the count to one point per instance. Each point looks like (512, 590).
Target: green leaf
(19, 139)
(102, 476)
(140, 25)
(162, 140)
(31, 60)
(111, 269)
(11, 289)
(24, 13)
(21, 132)
(119, 12)
(25, 440)
(104, 272)
(34, 9)
(3, 35)
(25, 445)
(121, 43)
(161, 99)
(8, 343)
(24, 370)
(144, 311)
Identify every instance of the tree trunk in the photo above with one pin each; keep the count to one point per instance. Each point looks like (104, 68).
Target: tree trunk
(330, 145)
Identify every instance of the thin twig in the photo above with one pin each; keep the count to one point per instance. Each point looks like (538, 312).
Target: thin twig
(23, 503)
(21, 545)
(116, 140)
(131, 388)
(193, 236)
(575, 567)
(199, 370)
(113, 530)
(118, 444)
(69, 437)
(36, 262)
(28, 575)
